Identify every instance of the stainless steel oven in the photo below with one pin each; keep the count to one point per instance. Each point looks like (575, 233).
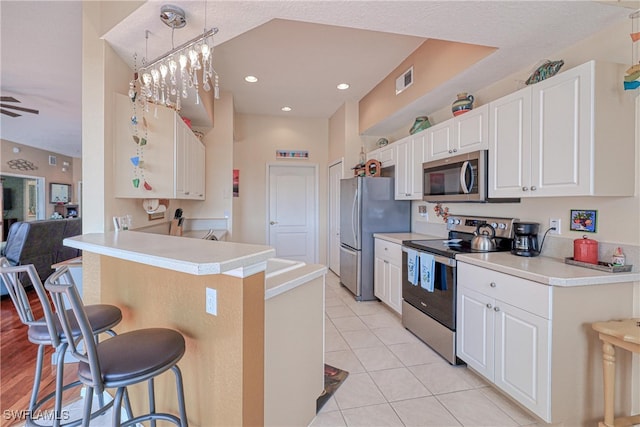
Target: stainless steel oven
(438, 329)
(431, 314)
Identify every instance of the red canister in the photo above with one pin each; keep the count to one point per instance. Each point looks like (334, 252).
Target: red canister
(585, 250)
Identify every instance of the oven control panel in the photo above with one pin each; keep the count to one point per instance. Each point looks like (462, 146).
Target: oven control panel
(469, 224)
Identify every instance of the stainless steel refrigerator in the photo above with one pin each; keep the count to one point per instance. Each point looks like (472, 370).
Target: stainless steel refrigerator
(367, 206)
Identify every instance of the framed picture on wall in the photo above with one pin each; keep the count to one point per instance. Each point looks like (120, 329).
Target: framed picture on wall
(59, 193)
(583, 220)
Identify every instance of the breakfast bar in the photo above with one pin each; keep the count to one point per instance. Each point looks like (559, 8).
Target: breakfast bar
(230, 367)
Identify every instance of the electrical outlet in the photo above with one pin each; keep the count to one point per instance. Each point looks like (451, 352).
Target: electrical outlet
(212, 301)
(554, 223)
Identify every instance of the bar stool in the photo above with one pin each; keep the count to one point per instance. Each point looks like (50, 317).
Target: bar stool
(120, 361)
(47, 331)
(624, 334)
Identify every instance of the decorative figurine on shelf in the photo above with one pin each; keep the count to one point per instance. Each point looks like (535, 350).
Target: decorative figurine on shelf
(382, 142)
(544, 71)
(421, 123)
(463, 104)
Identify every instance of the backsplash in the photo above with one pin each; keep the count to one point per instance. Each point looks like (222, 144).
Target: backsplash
(562, 247)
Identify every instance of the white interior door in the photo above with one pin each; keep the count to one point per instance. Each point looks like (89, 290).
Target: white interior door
(293, 205)
(335, 175)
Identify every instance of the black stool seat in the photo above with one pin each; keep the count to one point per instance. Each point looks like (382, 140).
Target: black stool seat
(102, 317)
(118, 362)
(48, 330)
(135, 355)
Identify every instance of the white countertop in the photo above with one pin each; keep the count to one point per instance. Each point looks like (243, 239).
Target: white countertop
(400, 237)
(286, 279)
(193, 256)
(549, 271)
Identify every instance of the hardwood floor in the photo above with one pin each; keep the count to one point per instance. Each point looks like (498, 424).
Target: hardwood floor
(17, 365)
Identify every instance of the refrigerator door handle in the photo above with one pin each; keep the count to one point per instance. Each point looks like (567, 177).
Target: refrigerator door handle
(355, 220)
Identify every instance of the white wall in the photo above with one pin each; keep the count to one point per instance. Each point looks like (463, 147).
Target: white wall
(258, 139)
(218, 166)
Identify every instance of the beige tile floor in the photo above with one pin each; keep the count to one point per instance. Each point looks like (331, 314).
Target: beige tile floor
(395, 379)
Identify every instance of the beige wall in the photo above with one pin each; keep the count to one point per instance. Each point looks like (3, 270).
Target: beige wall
(104, 74)
(260, 137)
(434, 62)
(40, 159)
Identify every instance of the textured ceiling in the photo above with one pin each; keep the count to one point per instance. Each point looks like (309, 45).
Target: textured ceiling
(298, 49)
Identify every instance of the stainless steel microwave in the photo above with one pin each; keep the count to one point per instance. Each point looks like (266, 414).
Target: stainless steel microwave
(461, 178)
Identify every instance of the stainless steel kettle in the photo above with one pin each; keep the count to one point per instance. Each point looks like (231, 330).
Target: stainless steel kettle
(484, 241)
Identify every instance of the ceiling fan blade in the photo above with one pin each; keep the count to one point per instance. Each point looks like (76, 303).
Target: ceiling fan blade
(26, 110)
(8, 99)
(9, 113)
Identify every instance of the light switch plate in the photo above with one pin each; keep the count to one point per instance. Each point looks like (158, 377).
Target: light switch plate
(212, 301)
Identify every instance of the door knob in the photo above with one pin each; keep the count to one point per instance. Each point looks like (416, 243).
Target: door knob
(273, 222)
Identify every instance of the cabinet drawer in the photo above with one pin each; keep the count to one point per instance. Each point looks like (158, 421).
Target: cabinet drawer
(525, 294)
(388, 251)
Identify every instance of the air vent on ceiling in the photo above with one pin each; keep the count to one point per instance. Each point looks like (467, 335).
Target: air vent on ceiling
(404, 81)
(53, 160)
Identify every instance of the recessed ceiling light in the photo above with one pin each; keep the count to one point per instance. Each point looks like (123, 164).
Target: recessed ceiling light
(286, 108)
(343, 86)
(251, 79)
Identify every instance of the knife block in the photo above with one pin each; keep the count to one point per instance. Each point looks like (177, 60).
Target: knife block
(174, 228)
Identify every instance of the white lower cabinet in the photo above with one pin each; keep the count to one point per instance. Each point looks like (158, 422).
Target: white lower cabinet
(387, 281)
(504, 332)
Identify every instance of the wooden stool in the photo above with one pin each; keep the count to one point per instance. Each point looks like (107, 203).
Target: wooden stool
(624, 334)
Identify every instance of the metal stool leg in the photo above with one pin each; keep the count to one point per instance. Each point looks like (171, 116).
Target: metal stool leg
(37, 378)
(152, 400)
(180, 392)
(88, 403)
(61, 350)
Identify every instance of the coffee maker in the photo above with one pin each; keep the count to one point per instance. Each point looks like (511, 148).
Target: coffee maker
(525, 241)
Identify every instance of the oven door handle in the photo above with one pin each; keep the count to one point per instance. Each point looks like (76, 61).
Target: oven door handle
(451, 262)
(463, 175)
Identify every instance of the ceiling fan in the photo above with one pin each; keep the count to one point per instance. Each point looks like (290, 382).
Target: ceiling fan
(4, 106)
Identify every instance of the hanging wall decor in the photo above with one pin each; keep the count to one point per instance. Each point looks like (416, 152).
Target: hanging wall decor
(140, 141)
(632, 78)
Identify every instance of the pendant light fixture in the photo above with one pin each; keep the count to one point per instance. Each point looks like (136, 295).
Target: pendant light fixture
(166, 79)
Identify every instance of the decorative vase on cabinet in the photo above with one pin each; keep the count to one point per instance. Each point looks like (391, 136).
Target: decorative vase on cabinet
(463, 104)
(420, 124)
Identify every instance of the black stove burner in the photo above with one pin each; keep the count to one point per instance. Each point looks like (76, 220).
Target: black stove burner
(439, 247)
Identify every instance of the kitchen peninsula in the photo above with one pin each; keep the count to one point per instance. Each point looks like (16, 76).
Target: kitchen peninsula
(242, 357)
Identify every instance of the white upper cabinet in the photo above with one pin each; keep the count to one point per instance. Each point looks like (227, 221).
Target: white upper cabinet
(510, 144)
(385, 155)
(173, 158)
(440, 140)
(569, 135)
(471, 130)
(408, 169)
(462, 134)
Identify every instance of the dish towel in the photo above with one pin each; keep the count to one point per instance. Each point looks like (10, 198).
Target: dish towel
(427, 269)
(412, 266)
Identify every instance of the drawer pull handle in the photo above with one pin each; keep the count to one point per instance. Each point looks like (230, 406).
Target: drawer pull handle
(496, 309)
(492, 284)
(423, 304)
(489, 306)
